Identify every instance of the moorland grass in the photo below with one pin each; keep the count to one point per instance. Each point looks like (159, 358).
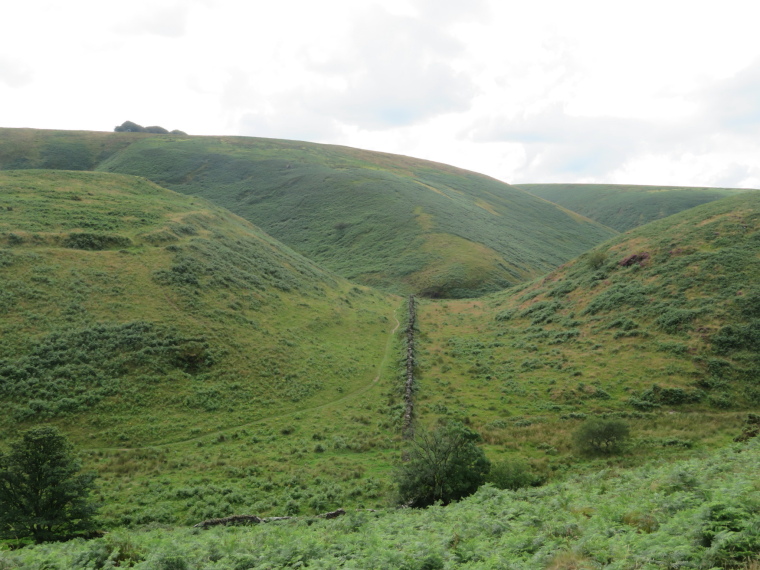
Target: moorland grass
(205, 369)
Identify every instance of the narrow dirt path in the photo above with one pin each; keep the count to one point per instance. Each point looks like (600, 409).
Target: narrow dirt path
(362, 390)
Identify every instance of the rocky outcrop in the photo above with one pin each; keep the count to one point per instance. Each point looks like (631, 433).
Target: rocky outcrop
(253, 519)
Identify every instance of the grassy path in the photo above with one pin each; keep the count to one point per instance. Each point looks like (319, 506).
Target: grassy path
(362, 390)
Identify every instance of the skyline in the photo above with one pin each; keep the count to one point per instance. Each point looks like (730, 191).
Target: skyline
(629, 93)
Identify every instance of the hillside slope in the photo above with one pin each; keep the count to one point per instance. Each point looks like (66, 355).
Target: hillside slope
(200, 363)
(138, 313)
(624, 207)
(399, 223)
(659, 326)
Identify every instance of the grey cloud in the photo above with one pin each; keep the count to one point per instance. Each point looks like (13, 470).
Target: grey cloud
(737, 176)
(561, 147)
(451, 11)
(13, 73)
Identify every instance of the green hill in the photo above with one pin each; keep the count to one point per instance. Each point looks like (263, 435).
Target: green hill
(658, 326)
(399, 223)
(624, 207)
(179, 343)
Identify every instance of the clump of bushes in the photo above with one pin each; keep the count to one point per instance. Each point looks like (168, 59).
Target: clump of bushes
(636, 258)
(95, 241)
(738, 337)
(671, 396)
(512, 475)
(70, 371)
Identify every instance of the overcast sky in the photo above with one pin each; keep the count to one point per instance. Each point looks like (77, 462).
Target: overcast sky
(644, 92)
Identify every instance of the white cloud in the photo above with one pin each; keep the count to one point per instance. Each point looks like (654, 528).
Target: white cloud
(169, 21)
(14, 73)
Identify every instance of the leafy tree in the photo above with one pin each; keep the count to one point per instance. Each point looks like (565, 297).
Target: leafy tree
(42, 493)
(601, 436)
(443, 465)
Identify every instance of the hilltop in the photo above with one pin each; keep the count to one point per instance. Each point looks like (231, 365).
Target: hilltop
(402, 224)
(658, 327)
(624, 207)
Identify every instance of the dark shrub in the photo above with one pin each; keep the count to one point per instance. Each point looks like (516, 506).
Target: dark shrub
(600, 436)
(443, 465)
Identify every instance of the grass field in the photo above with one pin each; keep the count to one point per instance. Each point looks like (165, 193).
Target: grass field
(624, 207)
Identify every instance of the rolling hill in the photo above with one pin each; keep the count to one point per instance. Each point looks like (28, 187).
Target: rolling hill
(658, 326)
(177, 342)
(624, 207)
(402, 224)
(122, 297)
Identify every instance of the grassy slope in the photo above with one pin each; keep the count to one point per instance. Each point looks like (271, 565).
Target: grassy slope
(702, 513)
(131, 315)
(670, 343)
(404, 224)
(66, 150)
(624, 207)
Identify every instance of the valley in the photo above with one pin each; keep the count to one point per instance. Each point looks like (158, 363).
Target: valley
(219, 325)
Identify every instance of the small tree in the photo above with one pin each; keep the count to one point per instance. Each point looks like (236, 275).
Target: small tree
(601, 436)
(42, 493)
(443, 465)
(597, 259)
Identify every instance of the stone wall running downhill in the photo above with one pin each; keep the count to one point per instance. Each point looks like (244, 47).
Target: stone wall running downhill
(408, 424)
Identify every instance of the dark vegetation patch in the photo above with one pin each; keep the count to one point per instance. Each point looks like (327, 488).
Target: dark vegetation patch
(72, 371)
(95, 241)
